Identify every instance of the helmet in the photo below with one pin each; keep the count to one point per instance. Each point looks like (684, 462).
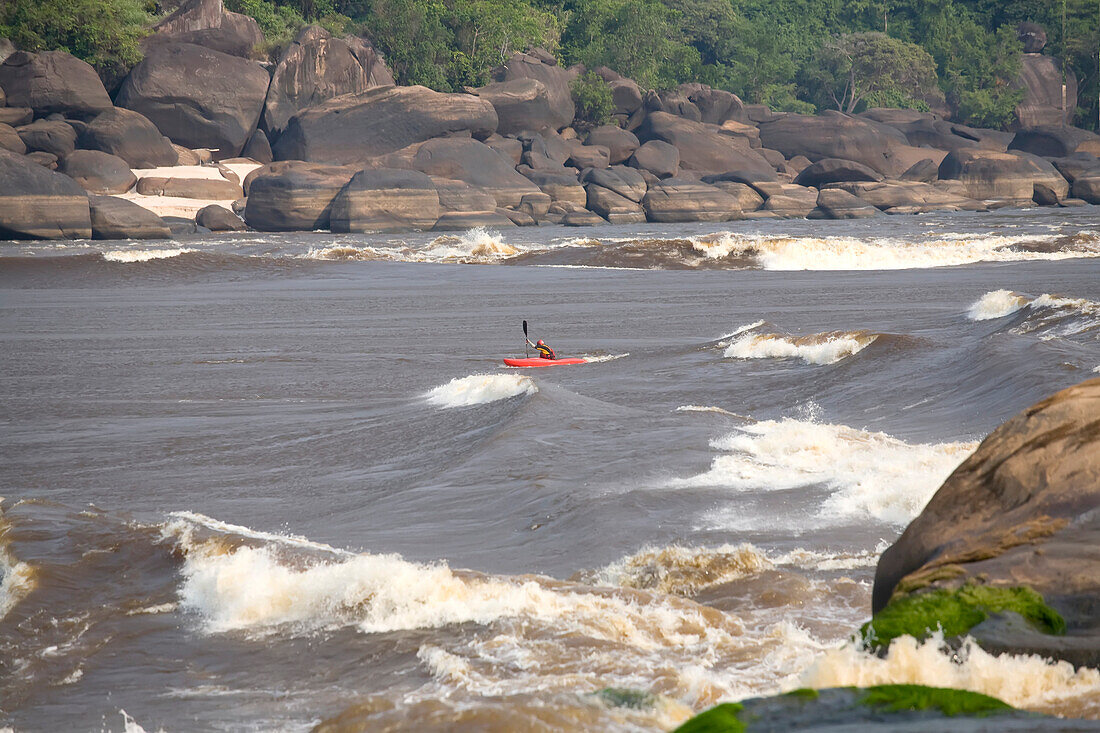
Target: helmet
(540, 343)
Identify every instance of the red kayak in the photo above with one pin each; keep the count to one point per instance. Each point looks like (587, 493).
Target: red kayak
(538, 361)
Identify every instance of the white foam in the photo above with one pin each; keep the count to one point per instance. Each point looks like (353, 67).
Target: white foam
(996, 304)
(883, 253)
(143, 255)
(17, 578)
(475, 246)
(1028, 682)
(869, 473)
(604, 357)
(683, 570)
(1056, 315)
(480, 389)
(824, 348)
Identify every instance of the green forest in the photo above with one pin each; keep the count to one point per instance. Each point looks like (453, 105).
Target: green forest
(794, 55)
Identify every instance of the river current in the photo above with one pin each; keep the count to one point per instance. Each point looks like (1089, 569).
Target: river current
(254, 482)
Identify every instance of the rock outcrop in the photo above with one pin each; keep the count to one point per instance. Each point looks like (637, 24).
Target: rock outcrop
(98, 172)
(835, 170)
(680, 199)
(207, 23)
(53, 81)
(1041, 80)
(130, 136)
(386, 200)
(987, 174)
(48, 136)
(1056, 141)
(219, 219)
(701, 147)
(36, 203)
(1019, 516)
(356, 128)
(553, 78)
(521, 104)
(834, 135)
(620, 143)
(477, 164)
(293, 195)
(198, 97)
(115, 218)
(317, 67)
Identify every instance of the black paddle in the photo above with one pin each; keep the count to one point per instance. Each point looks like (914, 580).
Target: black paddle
(525, 340)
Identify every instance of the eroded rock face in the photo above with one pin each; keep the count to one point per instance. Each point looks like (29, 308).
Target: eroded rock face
(198, 97)
(53, 81)
(316, 68)
(521, 104)
(620, 143)
(1021, 511)
(834, 135)
(475, 163)
(358, 127)
(207, 23)
(1041, 79)
(1056, 141)
(48, 136)
(835, 203)
(293, 195)
(36, 203)
(835, 170)
(10, 140)
(115, 218)
(386, 200)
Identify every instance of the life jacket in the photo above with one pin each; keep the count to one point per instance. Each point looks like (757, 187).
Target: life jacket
(546, 352)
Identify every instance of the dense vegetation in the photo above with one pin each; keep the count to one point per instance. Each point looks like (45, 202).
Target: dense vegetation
(791, 54)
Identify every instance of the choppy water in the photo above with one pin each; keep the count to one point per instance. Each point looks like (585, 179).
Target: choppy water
(257, 481)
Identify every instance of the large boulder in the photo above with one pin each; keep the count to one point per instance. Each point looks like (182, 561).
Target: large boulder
(521, 104)
(987, 174)
(317, 67)
(115, 218)
(587, 156)
(835, 135)
(207, 23)
(130, 136)
(658, 157)
(98, 172)
(16, 116)
(909, 197)
(48, 136)
(626, 95)
(1018, 516)
(1056, 141)
(461, 196)
(560, 184)
(358, 127)
(219, 219)
(1087, 188)
(10, 140)
(1041, 81)
(386, 200)
(293, 195)
(554, 79)
(620, 143)
(463, 159)
(7, 48)
(835, 203)
(198, 97)
(36, 203)
(681, 200)
(715, 106)
(626, 182)
(1077, 166)
(53, 81)
(701, 147)
(613, 207)
(835, 170)
(209, 189)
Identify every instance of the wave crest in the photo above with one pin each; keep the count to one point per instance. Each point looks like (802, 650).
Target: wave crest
(480, 389)
(818, 348)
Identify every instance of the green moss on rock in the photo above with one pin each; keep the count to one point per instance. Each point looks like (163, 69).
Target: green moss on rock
(957, 611)
(719, 719)
(804, 693)
(896, 698)
(623, 697)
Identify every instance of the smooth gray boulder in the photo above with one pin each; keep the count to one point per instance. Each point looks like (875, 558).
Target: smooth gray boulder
(36, 203)
(625, 181)
(197, 97)
(98, 172)
(835, 170)
(682, 200)
(219, 219)
(115, 218)
(835, 203)
(521, 104)
(130, 136)
(293, 195)
(1056, 141)
(210, 189)
(461, 196)
(53, 81)
(620, 143)
(385, 200)
(613, 207)
(658, 157)
(554, 79)
(10, 140)
(48, 136)
(701, 147)
(475, 163)
(988, 174)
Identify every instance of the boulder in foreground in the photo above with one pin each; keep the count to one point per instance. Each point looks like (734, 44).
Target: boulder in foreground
(36, 203)
(115, 218)
(293, 196)
(386, 200)
(1008, 545)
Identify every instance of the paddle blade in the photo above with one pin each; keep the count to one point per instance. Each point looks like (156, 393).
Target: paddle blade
(525, 328)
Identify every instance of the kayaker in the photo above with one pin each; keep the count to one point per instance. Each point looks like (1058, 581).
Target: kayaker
(545, 352)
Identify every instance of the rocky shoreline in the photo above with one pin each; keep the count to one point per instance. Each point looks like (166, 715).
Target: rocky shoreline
(199, 137)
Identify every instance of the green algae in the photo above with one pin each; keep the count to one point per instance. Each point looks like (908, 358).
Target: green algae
(719, 719)
(950, 702)
(957, 611)
(803, 693)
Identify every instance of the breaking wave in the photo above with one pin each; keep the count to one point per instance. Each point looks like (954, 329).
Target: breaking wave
(1053, 315)
(480, 389)
(819, 348)
(868, 473)
(1024, 681)
(477, 246)
(143, 255)
(17, 578)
